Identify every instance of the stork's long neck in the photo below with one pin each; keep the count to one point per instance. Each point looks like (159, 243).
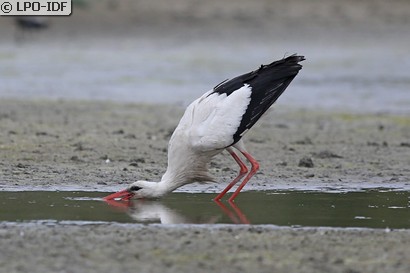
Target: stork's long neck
(152, 189)
(183, 169)
(171, 181)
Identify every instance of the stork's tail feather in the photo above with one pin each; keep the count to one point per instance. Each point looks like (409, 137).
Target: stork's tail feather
(285, 67)
(292, 59)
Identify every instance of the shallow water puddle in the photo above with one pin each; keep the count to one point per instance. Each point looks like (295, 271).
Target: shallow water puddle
(373, 208)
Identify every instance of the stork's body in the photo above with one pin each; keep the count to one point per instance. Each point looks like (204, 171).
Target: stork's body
(216, 122)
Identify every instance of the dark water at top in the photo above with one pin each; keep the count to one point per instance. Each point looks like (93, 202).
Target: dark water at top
(373, 209)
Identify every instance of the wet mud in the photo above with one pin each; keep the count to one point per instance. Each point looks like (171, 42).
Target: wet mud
(343, 126)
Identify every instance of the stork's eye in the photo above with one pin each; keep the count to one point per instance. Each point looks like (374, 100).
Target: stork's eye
(135, 188)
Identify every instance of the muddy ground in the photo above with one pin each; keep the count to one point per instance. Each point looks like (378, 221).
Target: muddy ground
(104, 146)
(137, 248)
(345, 126)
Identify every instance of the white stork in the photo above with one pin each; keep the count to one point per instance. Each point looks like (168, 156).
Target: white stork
(215, 122)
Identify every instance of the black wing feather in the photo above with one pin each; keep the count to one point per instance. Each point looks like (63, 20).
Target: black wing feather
(267, 84)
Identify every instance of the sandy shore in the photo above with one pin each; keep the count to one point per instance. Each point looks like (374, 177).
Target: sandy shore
(104, 146)
(53, 135)
(139, 248)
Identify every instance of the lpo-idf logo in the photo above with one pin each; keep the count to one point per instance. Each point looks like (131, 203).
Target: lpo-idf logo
(35, 7)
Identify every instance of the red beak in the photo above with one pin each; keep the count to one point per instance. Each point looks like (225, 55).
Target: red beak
(123, 195)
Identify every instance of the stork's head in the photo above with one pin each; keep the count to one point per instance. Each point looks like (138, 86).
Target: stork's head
(138, 190)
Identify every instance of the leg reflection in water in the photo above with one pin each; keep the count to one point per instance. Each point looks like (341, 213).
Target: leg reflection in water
(156, 211)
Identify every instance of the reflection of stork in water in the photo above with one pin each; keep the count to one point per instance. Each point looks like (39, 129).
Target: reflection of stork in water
(29, 24)
(154, 211)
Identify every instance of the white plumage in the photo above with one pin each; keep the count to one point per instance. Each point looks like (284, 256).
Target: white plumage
(216, 122)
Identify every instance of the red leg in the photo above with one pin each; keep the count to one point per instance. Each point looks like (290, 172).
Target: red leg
(241, 174)
(254, 169)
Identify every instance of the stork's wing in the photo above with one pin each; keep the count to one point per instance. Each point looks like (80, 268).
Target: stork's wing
(216, 117)
(267, 84)
(223, 115)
